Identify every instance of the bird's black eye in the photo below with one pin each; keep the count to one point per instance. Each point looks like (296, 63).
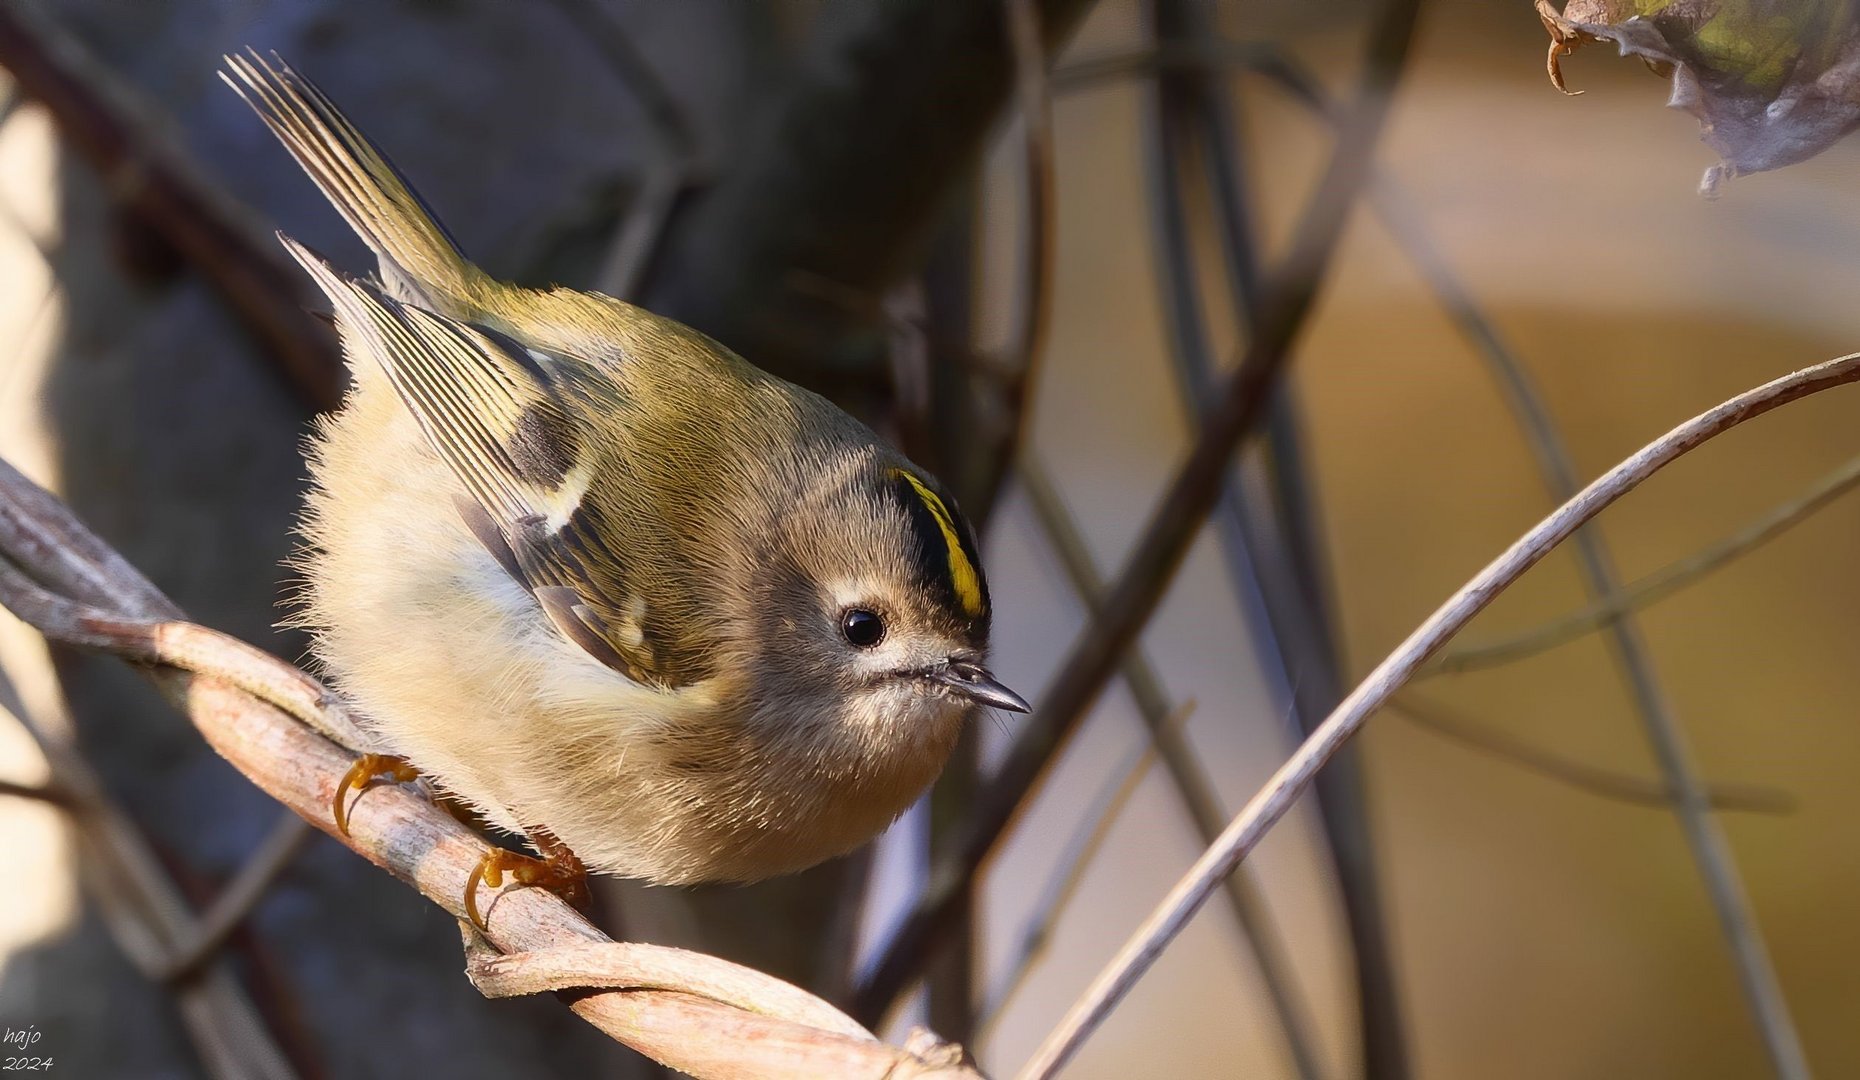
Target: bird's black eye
(862, 628)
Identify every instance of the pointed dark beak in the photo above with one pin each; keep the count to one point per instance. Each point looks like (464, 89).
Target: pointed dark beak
(973, 681)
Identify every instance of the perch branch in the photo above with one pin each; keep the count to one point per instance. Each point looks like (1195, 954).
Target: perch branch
(1273, 800)
(684, 1028)
(632, 966)
(1173, 524)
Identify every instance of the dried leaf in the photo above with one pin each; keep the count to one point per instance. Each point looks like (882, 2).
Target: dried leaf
(1772, 82)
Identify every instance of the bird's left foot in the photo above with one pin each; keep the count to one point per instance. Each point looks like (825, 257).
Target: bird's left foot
(368, 768)
(559, 870)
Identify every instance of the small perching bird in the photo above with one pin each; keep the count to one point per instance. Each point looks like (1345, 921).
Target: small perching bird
(601, 579)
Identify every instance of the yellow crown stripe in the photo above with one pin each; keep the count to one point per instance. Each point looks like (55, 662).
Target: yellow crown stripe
(962, 572)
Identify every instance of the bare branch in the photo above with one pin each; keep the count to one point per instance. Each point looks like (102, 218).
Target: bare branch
(1201, 54)
(1266, 519)
(1273, 800)
(1709, 848)
(1034, 313)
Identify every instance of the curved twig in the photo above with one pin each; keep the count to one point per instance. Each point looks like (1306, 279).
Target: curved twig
(1267, 520)
(1273, 800)
(1705, 839)
(635, 966)
(1651, 589)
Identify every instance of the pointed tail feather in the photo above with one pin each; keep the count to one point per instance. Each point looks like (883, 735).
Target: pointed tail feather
(418, 257)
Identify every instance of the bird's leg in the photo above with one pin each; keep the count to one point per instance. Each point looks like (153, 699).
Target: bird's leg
(559, 870)
(368, 768)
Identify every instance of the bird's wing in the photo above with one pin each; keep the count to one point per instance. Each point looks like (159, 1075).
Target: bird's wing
(492, 410)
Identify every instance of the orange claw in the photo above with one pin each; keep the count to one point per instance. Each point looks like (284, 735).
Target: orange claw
(368, 767)
(559, 871)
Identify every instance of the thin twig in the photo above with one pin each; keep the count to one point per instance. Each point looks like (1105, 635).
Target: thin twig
(1034, 314)
(1191, 782)
(1708, 845)
(1430, 715)
(50, 794)
(1172, 526)
(1033, 308)
(1274, 799)
(229, 909)
(240, 896)
(932, 322)
(1710, 848)
(396, 828)
(642, 229)
(1651, 589)
(1077, 858)
(1204, 54)
(666, 121)
(1266, 518)
(673, 153)
(146, 913)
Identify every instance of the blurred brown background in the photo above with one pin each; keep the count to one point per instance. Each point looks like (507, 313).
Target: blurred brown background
(1538, 930)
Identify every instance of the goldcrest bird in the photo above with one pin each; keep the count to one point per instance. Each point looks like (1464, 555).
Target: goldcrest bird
(602, 580)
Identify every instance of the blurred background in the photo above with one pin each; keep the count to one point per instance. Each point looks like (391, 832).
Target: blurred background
(857, 196)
